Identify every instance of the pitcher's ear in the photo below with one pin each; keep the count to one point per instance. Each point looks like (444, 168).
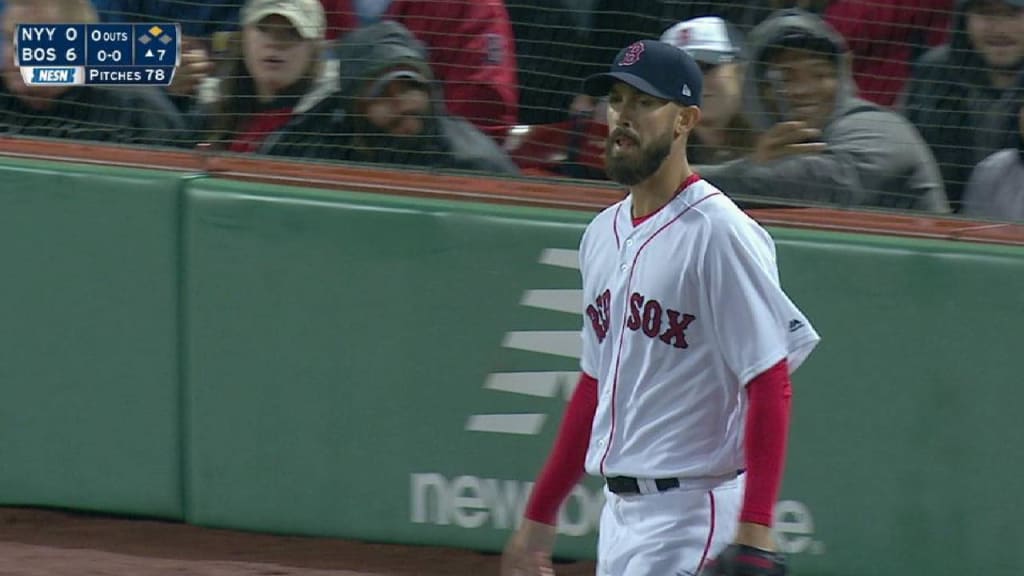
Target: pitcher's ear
(687, 118)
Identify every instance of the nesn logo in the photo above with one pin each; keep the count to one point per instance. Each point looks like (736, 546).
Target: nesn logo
(53, 75)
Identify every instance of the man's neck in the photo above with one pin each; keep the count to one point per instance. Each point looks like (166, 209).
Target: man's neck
(651, 194)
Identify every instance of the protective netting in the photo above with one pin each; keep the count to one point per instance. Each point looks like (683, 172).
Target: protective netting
(904, 104)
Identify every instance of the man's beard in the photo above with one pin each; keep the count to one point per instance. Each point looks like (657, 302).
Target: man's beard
(630, 171)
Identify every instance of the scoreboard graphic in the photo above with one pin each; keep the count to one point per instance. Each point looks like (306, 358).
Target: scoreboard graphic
(97, 54)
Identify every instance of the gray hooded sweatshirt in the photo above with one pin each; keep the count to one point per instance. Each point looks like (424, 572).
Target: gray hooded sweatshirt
(447, 142)
(873, 157)
(996, 187)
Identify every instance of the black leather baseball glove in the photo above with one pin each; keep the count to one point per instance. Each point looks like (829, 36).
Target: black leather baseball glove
(740, 560)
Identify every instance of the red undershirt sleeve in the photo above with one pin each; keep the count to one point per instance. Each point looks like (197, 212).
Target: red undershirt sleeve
(565, 464)
(767, 425)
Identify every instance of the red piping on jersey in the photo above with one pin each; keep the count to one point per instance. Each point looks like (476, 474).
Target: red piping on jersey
(615, 227)
(711, 533)
(638, 220)
(693, 177)
(622, 330)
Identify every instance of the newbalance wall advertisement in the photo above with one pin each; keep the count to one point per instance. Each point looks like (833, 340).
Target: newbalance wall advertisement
(397, 373)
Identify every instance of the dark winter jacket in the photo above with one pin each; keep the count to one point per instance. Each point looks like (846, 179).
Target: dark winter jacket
(305, 122)
(548, 45)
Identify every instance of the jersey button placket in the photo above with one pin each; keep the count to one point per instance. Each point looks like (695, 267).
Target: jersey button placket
(626, 254)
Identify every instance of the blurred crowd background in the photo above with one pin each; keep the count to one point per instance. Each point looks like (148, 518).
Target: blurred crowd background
(911, 105)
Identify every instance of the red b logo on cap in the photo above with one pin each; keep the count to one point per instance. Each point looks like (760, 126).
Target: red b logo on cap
(632, 55)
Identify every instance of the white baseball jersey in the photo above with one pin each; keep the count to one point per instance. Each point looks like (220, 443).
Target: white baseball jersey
(680, 312)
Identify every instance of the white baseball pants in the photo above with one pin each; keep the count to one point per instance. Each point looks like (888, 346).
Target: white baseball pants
(672, 533)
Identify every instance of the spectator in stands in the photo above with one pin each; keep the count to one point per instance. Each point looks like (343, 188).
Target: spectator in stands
(723, 133)
(207, 27)
(886, 37)
(818, 142)
(470, 45)
(136, 115)
(996, 188)
(281, 91)
(394, 112)
(961, 94)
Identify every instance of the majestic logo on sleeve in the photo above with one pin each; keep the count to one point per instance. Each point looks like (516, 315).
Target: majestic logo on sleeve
(649, 316)
(632, 54)
(599, 313)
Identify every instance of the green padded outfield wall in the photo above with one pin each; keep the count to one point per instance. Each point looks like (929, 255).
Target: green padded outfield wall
(394, 370)
(89, 396)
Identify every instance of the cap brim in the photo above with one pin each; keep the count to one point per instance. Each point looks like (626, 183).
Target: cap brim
(600, 85)
(378, 85)
(802, 40)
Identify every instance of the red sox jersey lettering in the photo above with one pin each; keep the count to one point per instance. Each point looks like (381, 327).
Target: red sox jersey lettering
(680, 313)
(646, 316)
(598, 314)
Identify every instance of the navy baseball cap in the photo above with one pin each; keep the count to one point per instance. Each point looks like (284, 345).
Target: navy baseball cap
(655, 68)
